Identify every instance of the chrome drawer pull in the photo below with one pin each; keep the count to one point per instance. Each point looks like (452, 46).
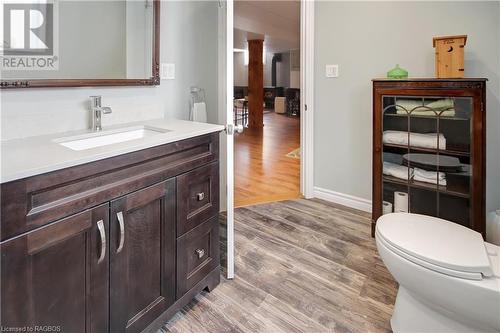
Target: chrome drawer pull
(119, 215)
(200, 253)
(200, 196)
(102, 233)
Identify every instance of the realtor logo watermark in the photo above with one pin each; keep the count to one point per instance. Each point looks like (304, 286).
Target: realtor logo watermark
(29, 35)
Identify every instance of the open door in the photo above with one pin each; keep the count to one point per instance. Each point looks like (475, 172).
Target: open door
(225, 98)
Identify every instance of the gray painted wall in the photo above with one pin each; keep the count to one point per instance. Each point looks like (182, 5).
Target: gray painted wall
(240, 73)
(368, 38)
(283, 73)
(268, 70)
(283, 70)
(188, 39)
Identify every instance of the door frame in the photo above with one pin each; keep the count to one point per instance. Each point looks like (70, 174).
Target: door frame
(225, 98)
(307, 98)
(225, 101)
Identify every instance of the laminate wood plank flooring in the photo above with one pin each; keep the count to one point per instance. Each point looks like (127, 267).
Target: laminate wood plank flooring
(263, 172)
(301, 266)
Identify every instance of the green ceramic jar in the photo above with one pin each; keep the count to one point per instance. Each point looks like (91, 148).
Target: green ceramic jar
(397, 73)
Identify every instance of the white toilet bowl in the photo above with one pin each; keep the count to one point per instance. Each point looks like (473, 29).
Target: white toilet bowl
(449, 278)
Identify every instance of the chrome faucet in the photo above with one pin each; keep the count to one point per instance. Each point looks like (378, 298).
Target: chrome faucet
(97, 110)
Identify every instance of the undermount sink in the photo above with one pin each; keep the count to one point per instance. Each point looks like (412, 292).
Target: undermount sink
(109, 137)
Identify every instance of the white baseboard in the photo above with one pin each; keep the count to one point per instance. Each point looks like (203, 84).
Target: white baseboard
(343, 199)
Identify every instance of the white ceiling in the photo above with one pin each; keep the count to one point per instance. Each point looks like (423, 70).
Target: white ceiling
(277, 22)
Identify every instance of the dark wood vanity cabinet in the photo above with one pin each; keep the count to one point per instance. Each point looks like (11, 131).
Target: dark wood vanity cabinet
(119, 250)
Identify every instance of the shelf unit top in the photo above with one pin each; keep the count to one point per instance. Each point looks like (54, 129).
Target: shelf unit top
(430, 79)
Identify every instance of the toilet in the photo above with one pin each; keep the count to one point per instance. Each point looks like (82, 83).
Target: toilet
(449, 278)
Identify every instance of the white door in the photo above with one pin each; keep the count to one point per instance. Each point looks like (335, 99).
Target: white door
(225, 65)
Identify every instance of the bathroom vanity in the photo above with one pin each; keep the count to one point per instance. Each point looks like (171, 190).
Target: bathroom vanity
(113, 238)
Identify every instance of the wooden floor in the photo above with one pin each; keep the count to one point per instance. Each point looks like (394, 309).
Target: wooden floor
(262, 171)
(301, 266)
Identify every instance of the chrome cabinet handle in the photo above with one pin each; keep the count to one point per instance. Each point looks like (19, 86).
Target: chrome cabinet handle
(102, 233)
(200, 253)
(200, 196)
(119, 215)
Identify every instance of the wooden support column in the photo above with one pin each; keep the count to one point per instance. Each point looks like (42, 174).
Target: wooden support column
(255, 84)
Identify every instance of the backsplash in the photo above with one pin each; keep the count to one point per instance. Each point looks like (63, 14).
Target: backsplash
(49, 111)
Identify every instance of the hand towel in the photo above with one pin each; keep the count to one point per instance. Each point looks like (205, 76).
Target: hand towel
(199, 112)
(396, 170)
(431, 177)
(423, 140)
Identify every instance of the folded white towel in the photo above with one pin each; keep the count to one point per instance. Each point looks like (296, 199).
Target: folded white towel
(405, 173)
(423, 140)
(398, 171)
(431, 177)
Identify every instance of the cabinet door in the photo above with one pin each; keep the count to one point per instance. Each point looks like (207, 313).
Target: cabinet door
(57, 276)
(142, 271)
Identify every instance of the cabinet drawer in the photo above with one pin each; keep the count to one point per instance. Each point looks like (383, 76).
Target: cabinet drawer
(197, 254)
(197, 197)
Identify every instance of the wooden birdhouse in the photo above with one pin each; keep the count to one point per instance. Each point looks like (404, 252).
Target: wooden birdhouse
(449, 56)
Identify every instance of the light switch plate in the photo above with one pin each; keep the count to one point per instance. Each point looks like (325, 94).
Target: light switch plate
(332, 71)
(167, 71)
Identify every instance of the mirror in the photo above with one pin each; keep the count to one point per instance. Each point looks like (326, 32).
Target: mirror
(68, 43)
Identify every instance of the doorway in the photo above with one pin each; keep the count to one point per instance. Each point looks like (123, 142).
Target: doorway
(266, 102)
(226, 115)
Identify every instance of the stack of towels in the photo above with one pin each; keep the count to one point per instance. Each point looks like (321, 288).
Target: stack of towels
(444, 107)
(423, 140)
(403, 172)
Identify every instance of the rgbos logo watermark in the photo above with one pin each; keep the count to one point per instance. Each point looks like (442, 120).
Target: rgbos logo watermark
(29, 35)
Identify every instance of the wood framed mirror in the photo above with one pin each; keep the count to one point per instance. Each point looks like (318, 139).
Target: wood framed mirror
(80, 43)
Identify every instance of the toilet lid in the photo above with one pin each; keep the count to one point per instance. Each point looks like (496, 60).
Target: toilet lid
(436, 241)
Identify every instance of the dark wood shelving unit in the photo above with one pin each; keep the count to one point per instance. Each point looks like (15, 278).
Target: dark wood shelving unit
(462, 199)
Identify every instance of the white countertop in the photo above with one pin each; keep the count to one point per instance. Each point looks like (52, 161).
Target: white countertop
(21, 158)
